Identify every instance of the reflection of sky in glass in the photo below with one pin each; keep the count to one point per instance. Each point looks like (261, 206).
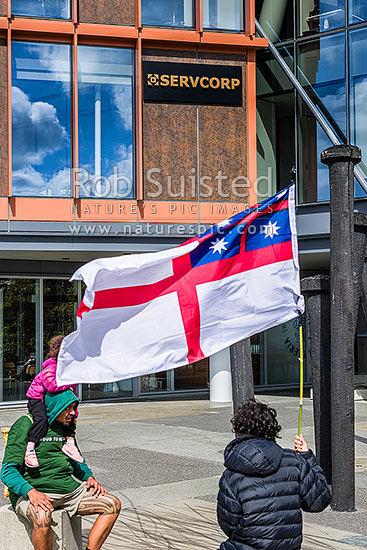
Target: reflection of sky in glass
(41, 119)
(106, 121)
(323, 187)
(173, 13)
(358, 92)
(223, 14)
(357, 11)
(321, 15)
(57, 9)
(322, 65)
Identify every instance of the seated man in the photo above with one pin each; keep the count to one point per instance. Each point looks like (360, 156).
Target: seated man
(59, 482)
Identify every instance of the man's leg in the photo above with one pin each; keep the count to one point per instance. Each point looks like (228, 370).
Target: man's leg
(41, 520)
(108, 508)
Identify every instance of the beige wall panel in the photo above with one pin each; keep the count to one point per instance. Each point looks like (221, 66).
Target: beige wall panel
(222, 140)
(112, 12)
(169, 141)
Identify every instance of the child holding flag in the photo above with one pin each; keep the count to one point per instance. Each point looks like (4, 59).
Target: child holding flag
(264, 487)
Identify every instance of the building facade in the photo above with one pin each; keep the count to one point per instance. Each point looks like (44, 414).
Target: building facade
(126, 126)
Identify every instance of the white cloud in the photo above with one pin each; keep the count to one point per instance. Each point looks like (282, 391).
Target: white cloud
(335, 103)
(122, 97)
(37, 131)
(56, 59)
(60, 183)
(122, 177)
(27, 181)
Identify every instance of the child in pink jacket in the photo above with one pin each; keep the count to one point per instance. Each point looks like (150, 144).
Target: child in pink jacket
(44, 382)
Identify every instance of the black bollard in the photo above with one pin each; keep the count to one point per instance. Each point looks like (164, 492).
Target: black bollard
(242, 375)
(316, 290)
(341, 160)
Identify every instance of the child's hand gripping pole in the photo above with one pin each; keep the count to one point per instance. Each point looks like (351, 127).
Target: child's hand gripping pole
(5, 432)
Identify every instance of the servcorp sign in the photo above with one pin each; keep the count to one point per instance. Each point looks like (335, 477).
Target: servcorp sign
(192, 83)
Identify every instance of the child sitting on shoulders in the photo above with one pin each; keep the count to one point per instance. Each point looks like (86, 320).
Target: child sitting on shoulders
(44, 382)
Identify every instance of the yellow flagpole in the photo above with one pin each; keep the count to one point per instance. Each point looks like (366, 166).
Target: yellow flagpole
(300, 378)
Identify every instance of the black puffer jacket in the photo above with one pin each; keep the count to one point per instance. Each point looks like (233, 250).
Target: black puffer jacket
(262, 492)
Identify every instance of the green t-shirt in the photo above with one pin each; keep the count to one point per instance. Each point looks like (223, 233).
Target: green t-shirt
(55, 472)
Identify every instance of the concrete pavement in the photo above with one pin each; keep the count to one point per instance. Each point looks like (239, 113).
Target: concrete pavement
(164, 460)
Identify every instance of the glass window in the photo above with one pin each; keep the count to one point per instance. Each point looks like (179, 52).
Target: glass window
(257, 355)
(56, 9)
(41, 119)
(320, 15)
(159, 381)
(313, 174)
(192, 377)
(283, 353)
(60, 303)
(105, 122)
(168, 13)
(275, 124)
(321, 70)
(276, 18)
(19, 337)
(357, 95)
(124, 388)
(357, 11)
(225, 15)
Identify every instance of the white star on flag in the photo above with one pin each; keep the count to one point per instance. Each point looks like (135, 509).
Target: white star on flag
(218, 246)
(270, 230)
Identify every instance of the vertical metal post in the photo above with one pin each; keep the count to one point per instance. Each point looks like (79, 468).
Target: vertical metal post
(341, 160)
(316, 290)
(242, 375)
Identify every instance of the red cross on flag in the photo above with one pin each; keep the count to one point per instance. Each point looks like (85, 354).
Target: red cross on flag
(145, 313)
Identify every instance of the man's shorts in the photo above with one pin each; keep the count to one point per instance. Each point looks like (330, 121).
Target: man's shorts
(69, 502)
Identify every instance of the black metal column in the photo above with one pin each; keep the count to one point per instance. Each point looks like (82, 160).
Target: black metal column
(242, 375)
(341, 160)
(316, 290)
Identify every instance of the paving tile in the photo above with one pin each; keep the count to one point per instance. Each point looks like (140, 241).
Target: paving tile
(191, 523)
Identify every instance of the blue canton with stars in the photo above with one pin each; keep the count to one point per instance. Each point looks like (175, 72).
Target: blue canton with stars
(224, 239)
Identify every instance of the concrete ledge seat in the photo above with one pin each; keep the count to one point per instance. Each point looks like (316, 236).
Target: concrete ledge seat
(16, 532)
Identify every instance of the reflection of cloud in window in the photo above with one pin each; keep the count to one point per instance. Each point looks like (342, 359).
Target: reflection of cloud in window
(122, 98)
(28, 181)
(37, 131)
(118, 183)
(335, 103)
(124, 162)
(359, 113)
(56, 59)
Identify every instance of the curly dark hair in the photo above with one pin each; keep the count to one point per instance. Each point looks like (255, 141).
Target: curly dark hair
(257, 419)
(54, 346)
